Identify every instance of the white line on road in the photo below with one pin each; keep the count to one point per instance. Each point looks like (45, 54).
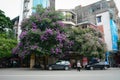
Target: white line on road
(47, 75)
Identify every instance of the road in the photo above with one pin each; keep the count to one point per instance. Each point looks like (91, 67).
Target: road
(27, 74)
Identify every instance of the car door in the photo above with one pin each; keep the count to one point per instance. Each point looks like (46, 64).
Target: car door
(96, 65)
(99, 65)
(58, 65)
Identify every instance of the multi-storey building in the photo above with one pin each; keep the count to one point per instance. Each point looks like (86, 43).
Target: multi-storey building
(102, 13)
(88, 13)
(15, 22)
(118, 21)
(70, 17)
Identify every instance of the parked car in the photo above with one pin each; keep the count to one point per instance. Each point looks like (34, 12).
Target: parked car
(60, 65)
(98, 65)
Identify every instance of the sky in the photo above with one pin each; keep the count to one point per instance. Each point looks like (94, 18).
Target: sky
(12, 7)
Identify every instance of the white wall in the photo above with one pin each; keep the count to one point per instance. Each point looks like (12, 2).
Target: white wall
(30, 6)
(21, 14)
(20, 19)
(105, 21)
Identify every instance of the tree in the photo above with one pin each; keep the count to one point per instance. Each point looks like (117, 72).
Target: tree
(43, 34)
(118, 44)
(87, 42)
(5, 22)
(6, 45)
(7, 40)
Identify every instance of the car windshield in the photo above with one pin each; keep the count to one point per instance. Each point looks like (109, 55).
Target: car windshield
(103, 62)
(58, 62)
(63, 62)
(93, 63)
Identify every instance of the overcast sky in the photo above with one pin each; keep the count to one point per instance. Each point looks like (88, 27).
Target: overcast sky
(12, 7)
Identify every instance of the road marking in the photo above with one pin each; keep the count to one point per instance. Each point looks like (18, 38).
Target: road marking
(49, 75)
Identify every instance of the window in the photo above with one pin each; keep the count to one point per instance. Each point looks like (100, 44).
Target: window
(25, 14)
(84, 26)
(26, 5)
(96, 7)
(99, 19)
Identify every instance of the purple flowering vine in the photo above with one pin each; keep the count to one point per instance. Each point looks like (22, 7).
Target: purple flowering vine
(71, 43)
(15, 50)
(60, 37)
(43, 37)
(33, 47)
(23, 34)
(61, 23)
(56, 50)
(34, 26)
(52, 50)
(20, 44)
(49, 32)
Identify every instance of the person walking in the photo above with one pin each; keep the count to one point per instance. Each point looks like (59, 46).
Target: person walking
(78, 65)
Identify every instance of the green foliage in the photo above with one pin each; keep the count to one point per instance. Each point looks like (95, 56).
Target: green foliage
(6, 45)
(5, 22)
(87, 42)
(39, 9)
(119, 42)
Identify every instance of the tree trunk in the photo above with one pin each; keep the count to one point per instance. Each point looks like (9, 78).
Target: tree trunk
(45, 62)
(32, 61)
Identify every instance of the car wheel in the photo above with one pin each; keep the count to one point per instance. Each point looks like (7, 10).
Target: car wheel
(50, 68)
(91, 68)
(105, 67)
(66, 68)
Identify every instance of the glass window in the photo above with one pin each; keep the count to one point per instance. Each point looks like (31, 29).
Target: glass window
(63, 62)
(44, 3)
(58, 63)
(99, 19)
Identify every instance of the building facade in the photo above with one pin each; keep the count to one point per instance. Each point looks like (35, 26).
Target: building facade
(102, 13)
(88, 13)
(118, 21)
(70, 17)
(15, 22)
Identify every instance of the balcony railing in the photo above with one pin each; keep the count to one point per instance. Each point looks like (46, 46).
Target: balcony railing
(70, 20)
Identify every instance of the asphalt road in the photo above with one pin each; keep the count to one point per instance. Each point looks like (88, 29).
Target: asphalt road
(27, 74)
